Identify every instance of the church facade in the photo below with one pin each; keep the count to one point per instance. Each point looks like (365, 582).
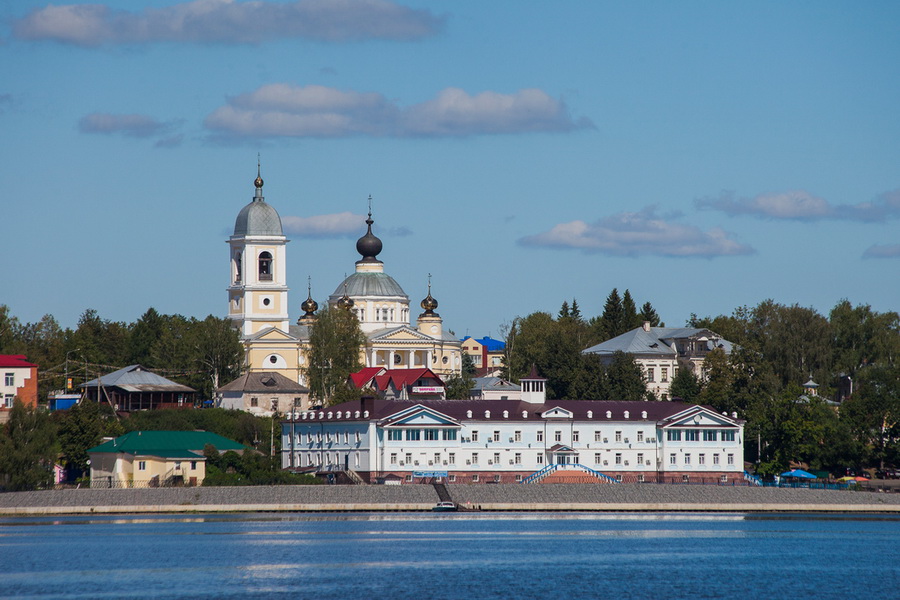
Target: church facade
(258, 304)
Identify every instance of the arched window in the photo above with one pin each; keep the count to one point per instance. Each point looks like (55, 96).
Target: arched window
(237, 267)
(265, 266)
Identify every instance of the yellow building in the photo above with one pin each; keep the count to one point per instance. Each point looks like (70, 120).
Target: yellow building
(258, 304)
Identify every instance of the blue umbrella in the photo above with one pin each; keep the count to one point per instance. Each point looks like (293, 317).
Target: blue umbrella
(799, 473)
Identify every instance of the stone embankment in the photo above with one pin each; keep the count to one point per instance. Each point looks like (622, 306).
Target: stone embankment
(501, 497)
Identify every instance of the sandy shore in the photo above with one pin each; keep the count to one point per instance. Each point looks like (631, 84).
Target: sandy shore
(504, 497)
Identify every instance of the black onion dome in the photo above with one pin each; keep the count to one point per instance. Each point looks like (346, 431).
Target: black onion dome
(346, 302)
(369, 246)
(309, 306)
(429, 303)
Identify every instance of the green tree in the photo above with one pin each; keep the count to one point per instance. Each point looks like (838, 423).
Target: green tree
(101, 341)
(685, 385)
(28, 448)
(717, 389)
(648, 314)
(630, 317)
(335, 340)
(625, 379)
(218, 353)
(82, 427)
(144, 332)
(873, 413)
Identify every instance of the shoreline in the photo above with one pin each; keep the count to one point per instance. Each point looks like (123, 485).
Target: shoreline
(423, 497)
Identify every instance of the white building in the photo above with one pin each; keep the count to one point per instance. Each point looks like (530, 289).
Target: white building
(661, 351)
(478, 441)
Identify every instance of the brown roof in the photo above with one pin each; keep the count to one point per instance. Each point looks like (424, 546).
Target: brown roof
(263, 381)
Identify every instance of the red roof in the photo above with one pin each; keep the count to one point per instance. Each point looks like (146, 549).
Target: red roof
(15, 360)
(384, 378)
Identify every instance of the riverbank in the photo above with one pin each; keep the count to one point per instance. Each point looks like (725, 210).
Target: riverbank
(503, 497)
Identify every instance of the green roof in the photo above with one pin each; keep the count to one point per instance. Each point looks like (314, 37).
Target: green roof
(167, 444)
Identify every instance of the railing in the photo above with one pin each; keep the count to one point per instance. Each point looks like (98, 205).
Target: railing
(753, 479)
(537, 476)
(354, 477)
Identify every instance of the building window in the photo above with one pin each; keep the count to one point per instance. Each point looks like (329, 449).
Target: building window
(650, 371)
(474, 458)
(265, 266)
(254, 402)
(9, 400)
(450, 435)
(474, 436)
(518, 478)
(673, 435)
(142, 465)
(731, 459)
(691, 435)
(728, 435)
(431, 435)
(409, 479)
(346, 437)
(672, 459)
(557, 436)
(496, 458)
(517, 436)
(193, 465)
(496, 437)
(598, 437)
(407, 458)
(451, 478)
(715, 459)
(701, 459)
(475, 478)
(640, 458)
(517, 458)
(451, 458)
(540, 459)
(395, 435)
(640, 436)
(618, 458)
(540, 436)
(598, 458)
(640, 478)
(574, 436)
(664, 375)
(393, 458)
(687, 459)
(709, 435)
(10, 379)
(618, 436)
(413, 435)
(356, 435)
(437, 458)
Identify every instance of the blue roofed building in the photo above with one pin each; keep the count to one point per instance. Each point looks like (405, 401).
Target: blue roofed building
(486, 353)
(661, 351)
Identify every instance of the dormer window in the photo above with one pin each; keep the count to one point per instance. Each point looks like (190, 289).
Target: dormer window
(265, 266)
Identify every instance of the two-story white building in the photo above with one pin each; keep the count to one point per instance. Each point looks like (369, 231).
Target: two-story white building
(479, 441)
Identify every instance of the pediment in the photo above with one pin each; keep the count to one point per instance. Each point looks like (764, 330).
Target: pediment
(272, 334)
(557, 413)
(699, 416)
(420, 416)
(399, 334)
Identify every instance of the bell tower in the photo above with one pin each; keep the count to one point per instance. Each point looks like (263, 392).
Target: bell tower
(257, 295)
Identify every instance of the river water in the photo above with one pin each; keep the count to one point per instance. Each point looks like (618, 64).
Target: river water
(462, 555)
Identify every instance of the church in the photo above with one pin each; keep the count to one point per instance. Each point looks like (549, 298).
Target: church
(258, 304)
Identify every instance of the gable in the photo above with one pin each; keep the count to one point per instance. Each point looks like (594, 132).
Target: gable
(273, 334)
(699, 416)
(557, 413)
(402, 333)
(419, 416)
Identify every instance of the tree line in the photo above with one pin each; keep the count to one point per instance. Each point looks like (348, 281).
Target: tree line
(203, 354)
(851, 353)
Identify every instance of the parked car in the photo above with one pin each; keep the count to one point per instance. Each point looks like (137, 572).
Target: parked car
(888, 474)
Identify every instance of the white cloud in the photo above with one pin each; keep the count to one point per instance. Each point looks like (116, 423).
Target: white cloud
(638, 234)
(284, 110)
(228, 22)
(882, 251)
(800, 205)
(132, 125)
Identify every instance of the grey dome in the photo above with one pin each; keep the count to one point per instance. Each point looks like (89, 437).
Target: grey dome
(258, 218)
(369, 284)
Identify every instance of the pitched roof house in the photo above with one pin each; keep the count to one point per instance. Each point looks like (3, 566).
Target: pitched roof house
(135, 388)
(264, 393)
(19, 380)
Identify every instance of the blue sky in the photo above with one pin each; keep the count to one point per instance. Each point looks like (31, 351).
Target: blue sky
(704, 155)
